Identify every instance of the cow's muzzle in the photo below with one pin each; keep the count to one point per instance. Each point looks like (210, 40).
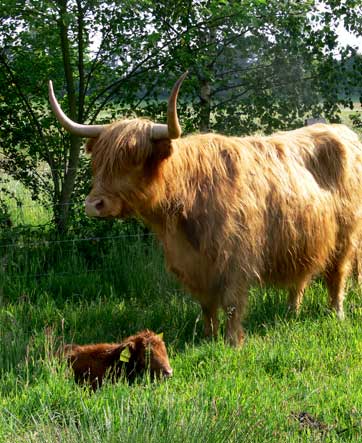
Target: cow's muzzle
(93, 207)
(167, 373)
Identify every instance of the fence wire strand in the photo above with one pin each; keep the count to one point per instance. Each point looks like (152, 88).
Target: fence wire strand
(56, 274)
(76, 240)
(21, 243)
(3, 261)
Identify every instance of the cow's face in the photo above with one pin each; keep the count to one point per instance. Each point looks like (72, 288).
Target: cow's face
(109, 195)
(118, 157)
(125, 163)
(104, 201)
(106, 206)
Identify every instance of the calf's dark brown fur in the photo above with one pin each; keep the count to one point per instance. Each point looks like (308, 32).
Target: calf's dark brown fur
(145, 351)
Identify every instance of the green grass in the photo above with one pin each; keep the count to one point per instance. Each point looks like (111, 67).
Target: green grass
(105, 290)
(22, 209)
(217, 394)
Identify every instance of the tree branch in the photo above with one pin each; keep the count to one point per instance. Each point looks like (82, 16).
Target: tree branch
(80, 29)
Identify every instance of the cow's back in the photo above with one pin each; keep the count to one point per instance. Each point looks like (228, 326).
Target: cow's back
(267, 208)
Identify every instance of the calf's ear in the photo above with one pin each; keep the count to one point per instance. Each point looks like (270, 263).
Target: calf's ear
(122, 353)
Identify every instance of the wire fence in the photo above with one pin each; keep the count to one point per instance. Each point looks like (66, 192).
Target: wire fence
(75, 240)
(47, 205)
(25, 258)
(21, 235)
(59, 274)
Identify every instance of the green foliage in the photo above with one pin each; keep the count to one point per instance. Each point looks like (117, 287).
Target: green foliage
(254, 65)
(257, 65)
(356, 119)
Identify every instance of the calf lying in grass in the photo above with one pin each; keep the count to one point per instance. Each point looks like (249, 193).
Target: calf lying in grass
(145, 351)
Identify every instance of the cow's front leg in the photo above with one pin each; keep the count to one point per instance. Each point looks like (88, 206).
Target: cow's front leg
(234, 307)
(211, 323)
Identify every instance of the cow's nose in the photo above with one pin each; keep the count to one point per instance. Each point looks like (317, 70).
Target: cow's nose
(167, 373)
(92, 207)
(99, 204)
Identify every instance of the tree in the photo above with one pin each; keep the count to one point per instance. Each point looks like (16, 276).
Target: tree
(254, 65)
(259, 65)
(52, 39)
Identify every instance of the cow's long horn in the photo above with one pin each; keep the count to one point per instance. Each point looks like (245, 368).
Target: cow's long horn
(173, 129)
(68, 124)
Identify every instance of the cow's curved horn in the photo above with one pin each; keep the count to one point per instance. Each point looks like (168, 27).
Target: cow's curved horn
(68, 124)
(173, 129)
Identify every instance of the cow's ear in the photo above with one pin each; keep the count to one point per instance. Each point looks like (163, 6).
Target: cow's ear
(89, 145)
(162, 149)
(123, 353)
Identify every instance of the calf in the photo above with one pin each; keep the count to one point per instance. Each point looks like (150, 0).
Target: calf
(145, 351)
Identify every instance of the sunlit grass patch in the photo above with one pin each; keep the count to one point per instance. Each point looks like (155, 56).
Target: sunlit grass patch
(23, 210)
(309, 364)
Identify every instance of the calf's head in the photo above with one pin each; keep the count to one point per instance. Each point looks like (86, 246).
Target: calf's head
(147, 352)
(123, 153)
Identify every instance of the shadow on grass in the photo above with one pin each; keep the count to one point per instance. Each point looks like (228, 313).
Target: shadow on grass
(268, 307)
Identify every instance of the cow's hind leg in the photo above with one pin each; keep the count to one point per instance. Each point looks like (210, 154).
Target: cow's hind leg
(335, 278)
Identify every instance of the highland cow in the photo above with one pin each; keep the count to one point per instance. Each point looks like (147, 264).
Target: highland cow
(232, 212)
(145, 351)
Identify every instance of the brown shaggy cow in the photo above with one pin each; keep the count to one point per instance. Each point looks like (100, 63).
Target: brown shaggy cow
(231, 212)
(136, 354)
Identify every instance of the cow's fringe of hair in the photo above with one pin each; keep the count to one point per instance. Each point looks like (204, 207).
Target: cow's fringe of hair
(125, 144)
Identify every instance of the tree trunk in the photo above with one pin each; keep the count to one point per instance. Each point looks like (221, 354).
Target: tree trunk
(61, 212)
(63, 205)
(205, 98)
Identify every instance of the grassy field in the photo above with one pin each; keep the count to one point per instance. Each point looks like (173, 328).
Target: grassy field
(106, 289)
(295, 379)
(288, 367)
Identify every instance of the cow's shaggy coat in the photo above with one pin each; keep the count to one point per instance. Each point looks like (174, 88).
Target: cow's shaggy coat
(231, 212)
(133, 356)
